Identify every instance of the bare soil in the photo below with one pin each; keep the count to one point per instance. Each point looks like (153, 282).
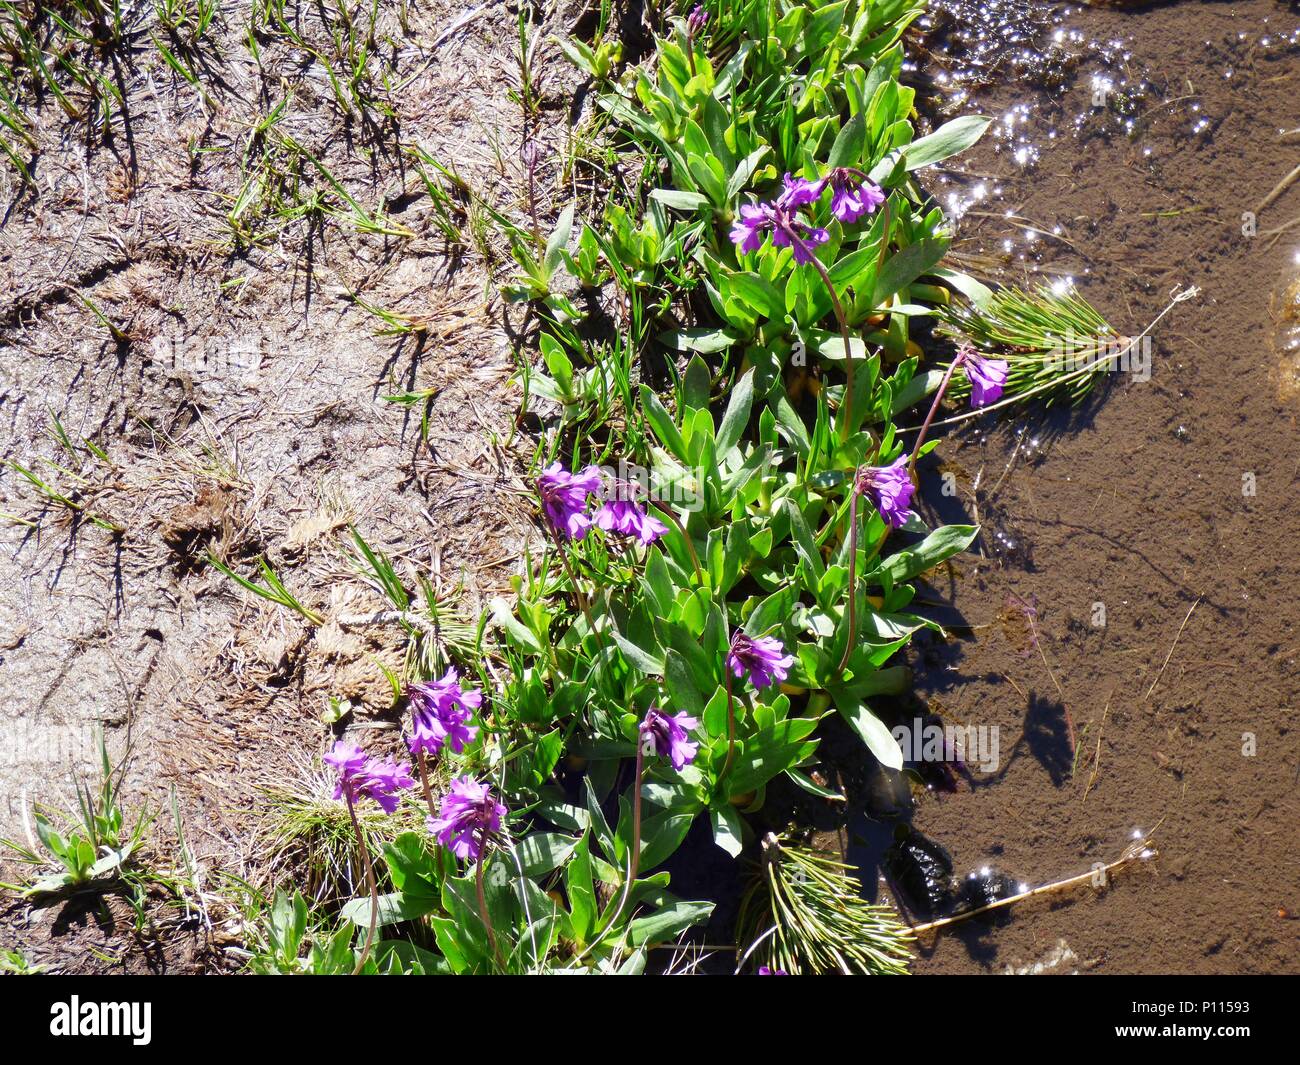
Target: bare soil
(239, 398)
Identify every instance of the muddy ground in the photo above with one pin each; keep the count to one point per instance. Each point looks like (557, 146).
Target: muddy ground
(1116, 520)
(1135, 502)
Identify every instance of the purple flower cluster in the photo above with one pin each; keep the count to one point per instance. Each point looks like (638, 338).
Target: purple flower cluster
(987, 377)
(852, 196)
(564, 501)
(761, 659)
(781, 217)
(890, 490)
(564, 498)
(360, 777)
(440, 714)
(666, 736)
(696, 21)
(469, 815)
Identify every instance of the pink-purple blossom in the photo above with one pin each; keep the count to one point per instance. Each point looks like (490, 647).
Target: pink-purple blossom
(852, 195)
(696, 20)
(666, 736)
(761, 659)
(440, 714)
(564, 499)
(798, 192)
(747, 230)
(361, 777)
(631, 519)
(468, 817)
(781, 218)
(767, 970)
(987, 377)
(890, 490)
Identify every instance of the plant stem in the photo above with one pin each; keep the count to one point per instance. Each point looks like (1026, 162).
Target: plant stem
(424, 781)
(573, 582)
(846, 408)
(938, 398)
(482, 900)
(731, 725)
(668, 512)
(374, 888)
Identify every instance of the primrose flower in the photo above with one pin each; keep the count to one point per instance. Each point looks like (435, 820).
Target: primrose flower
(782, 218)
(802, 238)
(747, 230)
(987, 377)
(696, 20)
(468, 816)
(762, 659)
(799, 192)
(666, 736)
(360, 777)
(852, 196)
(890, 490)
(440, 710)
(564, 499)
(630, 518)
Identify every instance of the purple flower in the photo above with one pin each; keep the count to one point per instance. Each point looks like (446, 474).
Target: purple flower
(747, 230)
(696, 20)
(799, 192)
(987, 377)
(440, 711)
(468, 816)
(765, 970)
(667, 736)
(629, 518)
(762, 658)
(802, 238)
(564, 499)
(781, 217)
(890, 490)
(360, 777)
(852, 196)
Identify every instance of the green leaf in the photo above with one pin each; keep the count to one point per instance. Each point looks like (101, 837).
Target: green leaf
(668, 922)
(662, 424)
(851, 142)
(905, 266)
(758, 294)
(737, 415)
(638, 657)
(681, 685)
(523, 636)
(727, 828)
(678, 200)
(543, 852)
(948, 140)
(559, 241)
(871, 730)
(943, 543)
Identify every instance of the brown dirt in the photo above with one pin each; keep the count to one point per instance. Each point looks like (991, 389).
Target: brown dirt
(1137, 503)
(212, 691)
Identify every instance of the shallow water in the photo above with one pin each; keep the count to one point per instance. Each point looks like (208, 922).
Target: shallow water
(1131, 153)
